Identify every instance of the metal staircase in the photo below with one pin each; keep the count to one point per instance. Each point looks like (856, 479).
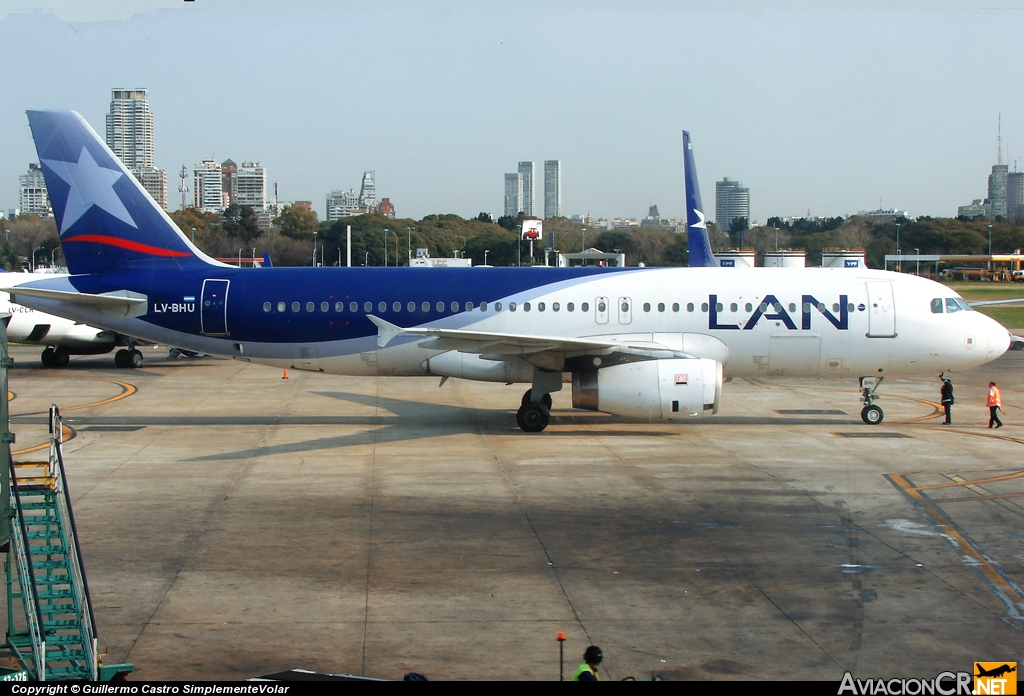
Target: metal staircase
(45, 573)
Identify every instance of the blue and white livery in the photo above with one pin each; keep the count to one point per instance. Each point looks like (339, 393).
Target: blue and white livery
(643, 342)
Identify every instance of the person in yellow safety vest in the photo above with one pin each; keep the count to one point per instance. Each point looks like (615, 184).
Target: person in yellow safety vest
(592, 657)
(995, 404)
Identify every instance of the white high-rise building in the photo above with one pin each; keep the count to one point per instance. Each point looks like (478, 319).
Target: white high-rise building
(207, 187)
(32, 196)
(368, 191)
(342, 204)
(731, 201)
(527, 170)
(513, 194)
(997, 190)
(130, 137)
(250, 184)
(552, 189)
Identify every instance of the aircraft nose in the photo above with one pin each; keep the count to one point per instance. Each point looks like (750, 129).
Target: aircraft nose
(998, 339)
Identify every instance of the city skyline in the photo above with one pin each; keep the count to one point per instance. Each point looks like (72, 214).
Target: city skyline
(842, 107)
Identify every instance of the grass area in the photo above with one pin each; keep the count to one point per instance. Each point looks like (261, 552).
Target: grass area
(1010, 317)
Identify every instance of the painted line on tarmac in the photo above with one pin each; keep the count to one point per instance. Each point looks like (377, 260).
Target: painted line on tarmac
(126, 391)
(68, 434)
(970, 553)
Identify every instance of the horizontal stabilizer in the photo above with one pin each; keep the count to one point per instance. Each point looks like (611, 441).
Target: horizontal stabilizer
(121, 303)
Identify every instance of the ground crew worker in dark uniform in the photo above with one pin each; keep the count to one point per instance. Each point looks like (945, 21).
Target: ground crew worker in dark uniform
(947, 399)
(995, 404)
(588, 670)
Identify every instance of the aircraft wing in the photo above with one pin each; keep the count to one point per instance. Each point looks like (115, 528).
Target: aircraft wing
(123, 303)
(988, 303)
(490, 343)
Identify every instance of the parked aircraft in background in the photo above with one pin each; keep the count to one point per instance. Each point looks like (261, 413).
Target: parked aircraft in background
(641, 342)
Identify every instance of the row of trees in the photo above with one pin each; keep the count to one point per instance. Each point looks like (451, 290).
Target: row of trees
(376, 239)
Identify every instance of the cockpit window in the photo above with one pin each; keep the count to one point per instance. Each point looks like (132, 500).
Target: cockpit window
(952, 305)
(937, 305)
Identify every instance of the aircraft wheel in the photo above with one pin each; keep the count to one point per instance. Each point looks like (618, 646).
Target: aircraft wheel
(134, 358)
(121, 358)
(872, 415)
(546, 399)
(533, 417)
(47, 357)
(61, 357)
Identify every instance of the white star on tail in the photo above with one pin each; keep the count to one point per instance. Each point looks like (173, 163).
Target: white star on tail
(91, 185)
(702, 225)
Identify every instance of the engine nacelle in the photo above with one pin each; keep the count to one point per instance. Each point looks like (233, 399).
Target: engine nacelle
(668, 389)
(472, 366)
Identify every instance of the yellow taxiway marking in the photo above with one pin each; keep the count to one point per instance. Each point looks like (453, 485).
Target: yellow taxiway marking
(969, 498)
(68, 434)
(974, 482)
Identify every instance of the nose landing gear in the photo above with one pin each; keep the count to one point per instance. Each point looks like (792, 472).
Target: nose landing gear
(870, 414)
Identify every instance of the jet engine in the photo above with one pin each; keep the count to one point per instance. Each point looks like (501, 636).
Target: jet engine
(669, 389)
(472, 366)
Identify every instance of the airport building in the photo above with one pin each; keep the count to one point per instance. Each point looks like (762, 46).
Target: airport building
(731, 201)
(130, 137)
(526, 170)
(513, 194)
(32, 196)
(552, 189)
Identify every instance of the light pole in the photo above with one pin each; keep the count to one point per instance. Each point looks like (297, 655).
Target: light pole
(240, 256)
(193, 235)
(34, 258)
(917, 253)
(898, 265)
(990, 247)
(52, 263)
(314, 249)
(396, 248)
(408, 231)
(776, 238)
(486, 252)
(583, 239)
(385, 247)
(366, 260)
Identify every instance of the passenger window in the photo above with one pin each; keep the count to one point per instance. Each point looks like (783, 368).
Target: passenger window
(601, 307)
(353, 306)
(675, 306)
(570, 307)
(439, 306)
(821, 306)
(367, 307)
(689, 306)
(585, 307)
(835, 307)
(266, 306)
(807, 307)
(733, 307)
(325, 306)
(747, 307)
(295, 306)
(483, 306)
(310, 306)
(410, 307)
(511, 306)
(382, 307)
(554, 307)
(762, 308)
(468, 306)
(396, 306)
(425, 307)
(792, 306)
(339, 307)
(540, 306)
(849, 307)
(526, 306)
(719, 307)
(647, 307)
(497, 306)
(455, 306)
(280, 306)
(703, 306)
(661, 306)
(777, 306)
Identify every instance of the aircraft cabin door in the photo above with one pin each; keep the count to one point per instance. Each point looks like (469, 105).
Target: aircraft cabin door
(625, 310)
(214, 313)
(881, 309)
(601, 310)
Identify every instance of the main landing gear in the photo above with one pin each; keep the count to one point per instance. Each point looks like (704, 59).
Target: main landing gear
(128, 359)
(535, 414)
(870, 414)
(55, 357)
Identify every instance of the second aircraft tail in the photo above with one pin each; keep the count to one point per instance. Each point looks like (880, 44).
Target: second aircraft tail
(696, 224)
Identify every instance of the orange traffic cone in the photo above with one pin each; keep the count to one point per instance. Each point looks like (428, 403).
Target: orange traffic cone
(285, 375)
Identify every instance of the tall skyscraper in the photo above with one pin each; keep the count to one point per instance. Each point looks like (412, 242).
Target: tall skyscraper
(228, 180)
(731, 201)
(552, 189)
(368, 191)
(251, 186)
(997, 190)
(130, 137)
(32, 196)
(526, 170)
(1014, 194)
(207, 187)
(513, 194)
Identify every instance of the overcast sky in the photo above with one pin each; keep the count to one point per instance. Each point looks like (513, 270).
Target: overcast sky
(827, 107)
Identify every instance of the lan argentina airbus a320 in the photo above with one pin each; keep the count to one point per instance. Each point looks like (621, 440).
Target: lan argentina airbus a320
(640, 342)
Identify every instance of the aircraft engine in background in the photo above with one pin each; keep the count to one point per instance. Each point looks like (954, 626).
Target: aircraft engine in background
(668, 389)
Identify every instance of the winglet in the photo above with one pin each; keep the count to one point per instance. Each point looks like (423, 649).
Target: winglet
(386, 331)
(696, 223)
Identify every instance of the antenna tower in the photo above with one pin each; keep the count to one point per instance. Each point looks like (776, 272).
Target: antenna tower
(183, 188)
(1000, 132)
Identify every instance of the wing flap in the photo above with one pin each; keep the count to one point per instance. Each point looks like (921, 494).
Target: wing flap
(121, 303)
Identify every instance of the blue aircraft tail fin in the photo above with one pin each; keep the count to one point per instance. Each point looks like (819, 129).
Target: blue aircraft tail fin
(266, 260)
(696, 226)
(106, 219)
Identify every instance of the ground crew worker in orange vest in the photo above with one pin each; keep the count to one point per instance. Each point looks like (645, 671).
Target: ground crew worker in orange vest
(588, 670)
(995, 404)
